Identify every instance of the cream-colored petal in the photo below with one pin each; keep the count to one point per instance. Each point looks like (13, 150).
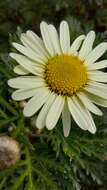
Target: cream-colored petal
(77, 114)
(29, 43)
(87, 116)
(38, 42)
(23, 94)
(46, 38)
(26, 82)
(54, 112)
(97, 76)
(96, 53)
(31, 66)
(91, 124)
(35, 103)
(82, 116)
(20, 70)
(97, 100)
(87, 45)
(66, 120)
(96, 91)
(40, 122)
(76, 44)
(54, 39)
(64, 37)
(88, 104)
(101, 86)
(98, 65)
(36, 39)
(29, 53)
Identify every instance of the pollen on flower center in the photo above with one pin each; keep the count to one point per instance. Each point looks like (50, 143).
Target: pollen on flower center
(65, 74)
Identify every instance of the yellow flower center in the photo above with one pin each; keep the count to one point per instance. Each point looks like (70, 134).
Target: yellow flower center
(65, 74)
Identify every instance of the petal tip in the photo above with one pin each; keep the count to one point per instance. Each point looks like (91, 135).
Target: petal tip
(26, 113)
(92, 131)
(64, 22)
(11, 55)
(9, 82)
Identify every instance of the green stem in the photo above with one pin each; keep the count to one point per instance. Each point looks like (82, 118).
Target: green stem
(2, 182)
(19, 181)
(8, 106)
(7, 121)
(29, 169)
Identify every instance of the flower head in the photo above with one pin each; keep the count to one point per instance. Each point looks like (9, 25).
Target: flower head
(62, 79)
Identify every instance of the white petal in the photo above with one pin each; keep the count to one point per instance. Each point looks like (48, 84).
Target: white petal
(87, 45)
(88, 104)
(82, 117)
(97, 100)
(66, 120)
(40, 122)
(91, 124)
(31, 66)
(64, 37)
(29, 43)
(96, 91)
(96, 53)
(98, 65)
(20, 70)
(46, 38)
(26, 82)
(77, 114)
(87, 116)
(76, 44)
(54, 112)
(38, 42)
(98, 76)
(29, 53)
(54, 39)
(101, 86)
(23, 94)
(35, 103)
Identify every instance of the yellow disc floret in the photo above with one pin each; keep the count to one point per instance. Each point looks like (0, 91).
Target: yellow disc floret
(65, 74)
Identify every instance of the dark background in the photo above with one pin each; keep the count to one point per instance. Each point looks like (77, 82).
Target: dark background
(82, 15)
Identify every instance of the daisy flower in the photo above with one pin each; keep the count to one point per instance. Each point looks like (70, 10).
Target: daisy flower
(63, 79)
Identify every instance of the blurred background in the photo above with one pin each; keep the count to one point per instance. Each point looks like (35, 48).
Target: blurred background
(82, 15)
(80, 161)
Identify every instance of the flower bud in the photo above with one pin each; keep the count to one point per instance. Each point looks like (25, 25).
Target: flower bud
(9, 152)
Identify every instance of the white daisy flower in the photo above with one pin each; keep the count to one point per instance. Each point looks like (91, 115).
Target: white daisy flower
(63, 80)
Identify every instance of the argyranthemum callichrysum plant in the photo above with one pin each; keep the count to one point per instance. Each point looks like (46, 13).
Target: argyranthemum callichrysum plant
(63, 80)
